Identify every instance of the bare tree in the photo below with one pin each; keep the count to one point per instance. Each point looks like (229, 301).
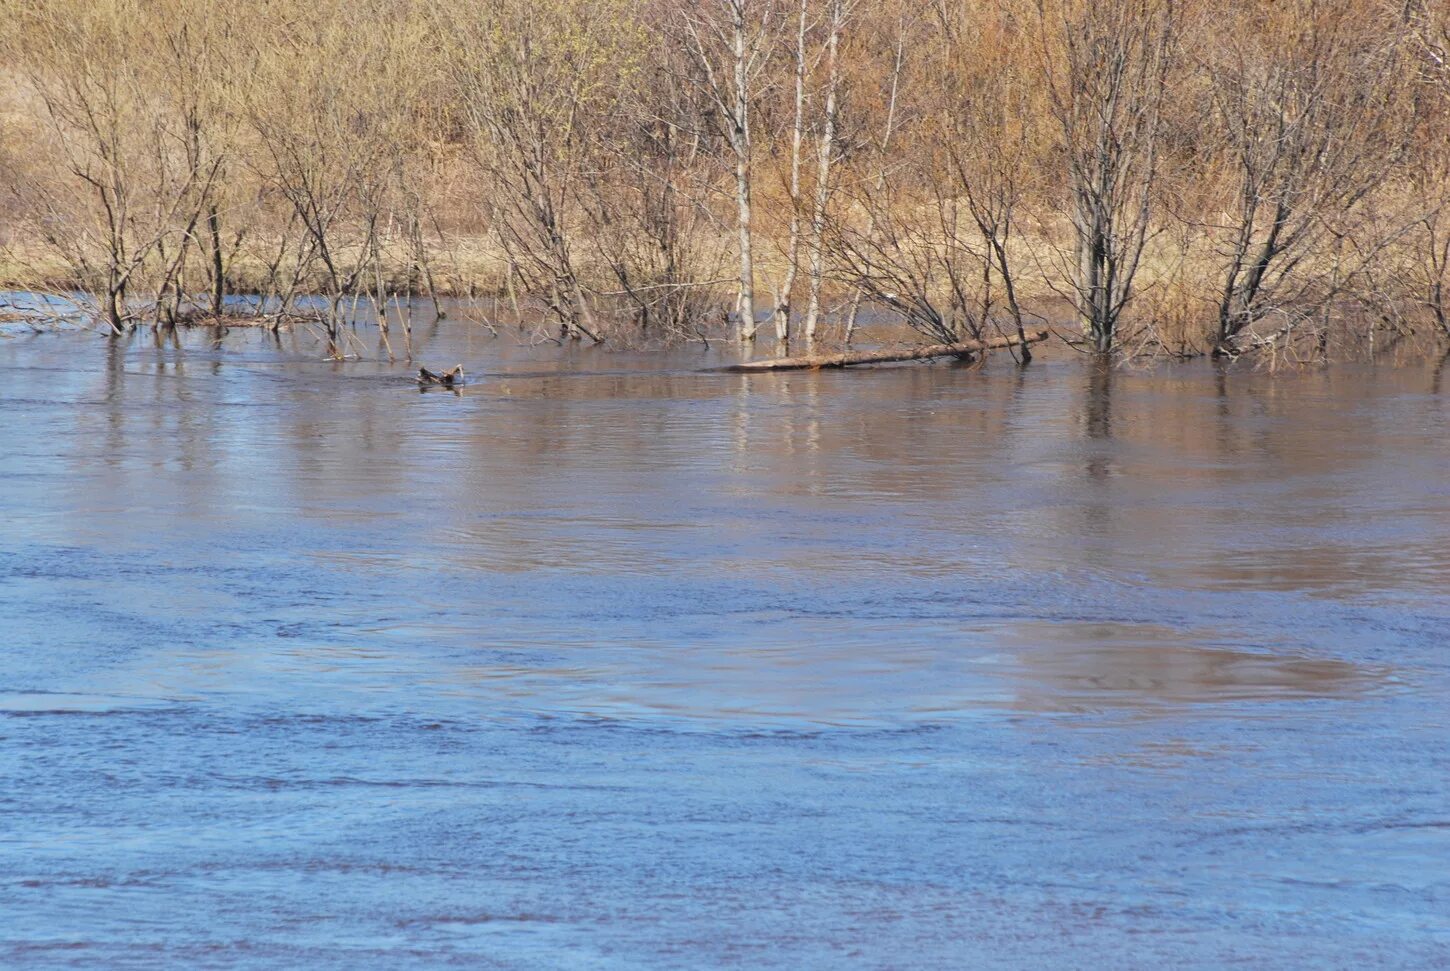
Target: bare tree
(989, 146)
(878, 151)
(935, 244)
(912, 253)
(1429, 169)
(326, 118)
(530, 77)
(139, 161)
(1305, 100)
(838, 13)
(646, 188)
(1105, 64)
(730, 44)
(912, 257)
(786, 291)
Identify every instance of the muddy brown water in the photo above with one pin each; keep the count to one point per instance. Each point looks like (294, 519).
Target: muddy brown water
(606, 663)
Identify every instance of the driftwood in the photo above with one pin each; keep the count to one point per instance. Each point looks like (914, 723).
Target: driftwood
(848, 358)
(451, 378)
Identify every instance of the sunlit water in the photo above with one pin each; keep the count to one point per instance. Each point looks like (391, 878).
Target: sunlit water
(607, 663)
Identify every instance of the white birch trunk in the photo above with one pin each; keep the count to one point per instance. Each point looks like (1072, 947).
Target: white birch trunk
(823, 171)
(745, 305)
(783, 301)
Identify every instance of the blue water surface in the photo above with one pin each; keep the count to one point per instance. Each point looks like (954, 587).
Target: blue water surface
(608, 663)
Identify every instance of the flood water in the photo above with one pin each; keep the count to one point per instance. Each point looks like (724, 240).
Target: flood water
(607, 663)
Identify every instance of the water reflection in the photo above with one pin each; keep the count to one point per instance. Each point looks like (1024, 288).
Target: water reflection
(770, 512)
(1095, 666)
(1097, 406)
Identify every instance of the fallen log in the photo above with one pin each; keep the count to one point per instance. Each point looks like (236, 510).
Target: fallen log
(812, 362)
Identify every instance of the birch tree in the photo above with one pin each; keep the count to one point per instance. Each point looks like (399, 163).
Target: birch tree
(838, 14)
(730, 43)
(786, 292)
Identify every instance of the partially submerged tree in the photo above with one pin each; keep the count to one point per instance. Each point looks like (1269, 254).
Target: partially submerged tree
(645, 197)
(329, 109)
(876, 152)
(1104, 65)
(838, 15)
(730, 43)
(134, 144)
(1429, 161)
(799, 75)
(1307, 112)
(992, 149)
(532, 79)
(934, 208)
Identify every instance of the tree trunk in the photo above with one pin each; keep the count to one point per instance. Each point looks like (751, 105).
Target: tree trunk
(1013, 307)
(823, 171)
(116, 308)
(218, 269)
(814, 361)
(792, 258)
(745, 305)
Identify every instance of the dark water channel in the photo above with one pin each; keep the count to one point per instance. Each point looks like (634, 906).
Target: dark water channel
(605, 663)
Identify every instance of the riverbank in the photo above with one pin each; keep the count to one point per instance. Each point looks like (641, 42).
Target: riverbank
(491, 322)
(1172, 316)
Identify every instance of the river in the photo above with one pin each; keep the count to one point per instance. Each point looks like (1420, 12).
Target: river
(608, 663)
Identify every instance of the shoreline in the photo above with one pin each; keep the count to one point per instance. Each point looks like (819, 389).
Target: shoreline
(364, 342)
